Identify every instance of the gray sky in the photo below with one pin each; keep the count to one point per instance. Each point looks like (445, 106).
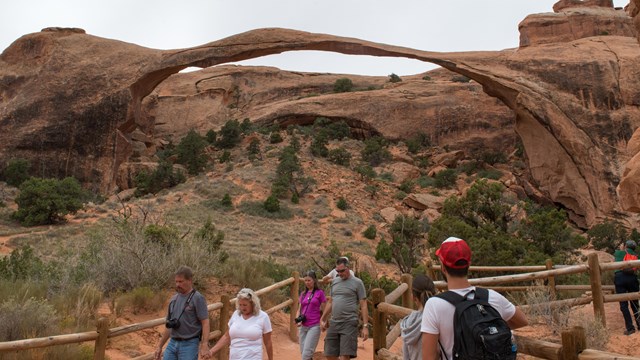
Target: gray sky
(443, 25)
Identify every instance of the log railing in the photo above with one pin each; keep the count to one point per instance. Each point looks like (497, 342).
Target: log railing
(102, 333)
(573, 340)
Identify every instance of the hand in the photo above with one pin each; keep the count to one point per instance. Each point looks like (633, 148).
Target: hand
(204, 352)
(324, 325)
(365, 333)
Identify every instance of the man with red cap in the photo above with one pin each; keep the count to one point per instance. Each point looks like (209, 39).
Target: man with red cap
(437, 318)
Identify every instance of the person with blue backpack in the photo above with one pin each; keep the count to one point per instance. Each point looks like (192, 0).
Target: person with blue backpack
(626, 281)
(467, 322)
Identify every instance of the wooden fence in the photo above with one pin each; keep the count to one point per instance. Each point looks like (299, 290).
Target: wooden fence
(573, 340)
(573, 344)
(103, 333)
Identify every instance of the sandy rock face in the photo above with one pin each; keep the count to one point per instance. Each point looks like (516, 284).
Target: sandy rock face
(71, 103)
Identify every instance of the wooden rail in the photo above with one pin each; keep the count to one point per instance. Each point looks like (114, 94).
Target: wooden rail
(573, 340)
(103, 333)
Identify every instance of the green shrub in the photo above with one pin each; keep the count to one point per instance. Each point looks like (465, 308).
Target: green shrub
(253, 149)
(384, 252)
(417, 142)
(375, 151)
(339, 156)
(469, 167)
(394, 78)
(211, 238)
(47, 201)
(24, 264)
(229, 135)
(226, 200)
(493, 157)
(246, 127)
(295, 198)
(426, 77)
(492, 174)
(162, 177)
(407, 242)
(400, 195)
(370, 232)
(334, 130)
(257, 208)
(425, 181)
(460, 79)
(607, 236)
(342, 85)
(342, 204)
(275, 137)
(190, 152)
(16, 172)
(272, 204)
(407, 186)
(319, 143)
(386, 176)
(445, 178)
(225, 157)
(211, 136)
(366, 172)
(423, 162)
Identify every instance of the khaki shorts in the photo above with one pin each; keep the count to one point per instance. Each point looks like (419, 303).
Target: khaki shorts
(342, 339)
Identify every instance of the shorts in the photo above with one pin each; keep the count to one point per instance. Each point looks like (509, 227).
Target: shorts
(342, 339)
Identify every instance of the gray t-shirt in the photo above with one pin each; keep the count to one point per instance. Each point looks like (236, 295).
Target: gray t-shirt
(194, 313)
(345, 298)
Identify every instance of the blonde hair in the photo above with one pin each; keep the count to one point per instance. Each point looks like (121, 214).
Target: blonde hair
(250, 295)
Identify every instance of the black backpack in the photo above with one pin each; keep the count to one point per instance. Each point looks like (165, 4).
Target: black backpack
(479, 330)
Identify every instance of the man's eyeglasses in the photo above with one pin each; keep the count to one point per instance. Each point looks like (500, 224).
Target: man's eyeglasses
(341, 271)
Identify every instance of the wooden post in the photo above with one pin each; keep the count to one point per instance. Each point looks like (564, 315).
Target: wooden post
(223, 354)
(573, 343)
(101, 342)
(551, 281)
(596, 288)
(379, 322)
(293, 329)
(430, 272)
(407, 296)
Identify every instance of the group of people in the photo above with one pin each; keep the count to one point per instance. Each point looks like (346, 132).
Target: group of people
(428, 333)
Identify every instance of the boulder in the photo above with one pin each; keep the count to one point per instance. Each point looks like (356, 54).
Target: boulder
(389, 214)
(449, 159)
(401, 171)
(431, 215)
(424, 201)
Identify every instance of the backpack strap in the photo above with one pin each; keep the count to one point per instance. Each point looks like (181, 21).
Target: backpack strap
(482, 294)
(452, 297)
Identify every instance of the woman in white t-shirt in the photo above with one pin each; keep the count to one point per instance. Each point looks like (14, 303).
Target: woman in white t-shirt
(249, 328)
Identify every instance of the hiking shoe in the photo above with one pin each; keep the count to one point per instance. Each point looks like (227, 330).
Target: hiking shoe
(629, 332)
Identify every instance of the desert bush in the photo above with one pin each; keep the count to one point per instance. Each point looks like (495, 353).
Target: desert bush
(257, 274)
(225, 157)
(366, 172)
(23, 264)
(140, 300)
(229, 135)
(407, 242)
(47, 201)
(27, 318)
(394, 78)
(460, 79)
(319, 143)
(339, 156)
(417, 142)
(468, 167)
(272, 204)
(425, 181)
(256, 208)
(445, 178)
(342, 204)
(334, 130)
(162, 177)
(124, 257)
(190, 152)
(607, 236)
(16, 172)
(383, 282)
(493, 157)
(492, 174)
(370, 232)
(426, 77)
(386, 176)
(406, 186)
(290, 175)
(540, 309)
(211, 137)
(226, 200)
(254, 149)
(246, 127)
(375, 151)
(384, 252)
(275, 137)
(77, 306)
(342, 85)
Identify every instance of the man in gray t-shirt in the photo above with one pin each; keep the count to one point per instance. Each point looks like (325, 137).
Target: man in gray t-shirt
(187, 322)
(347, 294)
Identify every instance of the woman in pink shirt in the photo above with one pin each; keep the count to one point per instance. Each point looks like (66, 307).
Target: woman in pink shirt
(312, 302)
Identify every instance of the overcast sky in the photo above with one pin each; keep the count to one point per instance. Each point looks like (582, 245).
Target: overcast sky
(443, 25)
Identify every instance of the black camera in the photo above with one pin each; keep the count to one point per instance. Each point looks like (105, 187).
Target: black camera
(172, 323)
(301, 319)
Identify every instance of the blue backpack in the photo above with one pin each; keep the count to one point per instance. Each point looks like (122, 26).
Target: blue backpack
(479, 330)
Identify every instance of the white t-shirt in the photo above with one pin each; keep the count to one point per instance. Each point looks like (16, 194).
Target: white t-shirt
(437, 317)
(246, 336)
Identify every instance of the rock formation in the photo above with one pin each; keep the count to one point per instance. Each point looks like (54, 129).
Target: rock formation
(75, 101)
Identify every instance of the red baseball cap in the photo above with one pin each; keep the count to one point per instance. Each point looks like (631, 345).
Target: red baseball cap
(452, 251)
